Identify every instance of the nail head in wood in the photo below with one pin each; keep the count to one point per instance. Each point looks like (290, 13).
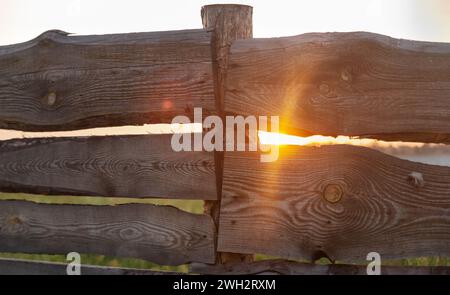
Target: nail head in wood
(416, 179)
(346, 75)
(324, 88)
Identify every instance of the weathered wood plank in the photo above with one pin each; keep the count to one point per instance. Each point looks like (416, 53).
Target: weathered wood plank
(61, 82)
(340, 202)
(31, 267)
(161, 234)
(285, 267)
(113, 166)
(228, 22)
(355, 84)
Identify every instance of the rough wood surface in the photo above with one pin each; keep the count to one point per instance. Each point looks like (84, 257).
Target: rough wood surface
(285, 267)
(227, 22)
(32, 267)
(62, 82)
(161, 234)
(339, 201)
(355, 84)
(113, 166)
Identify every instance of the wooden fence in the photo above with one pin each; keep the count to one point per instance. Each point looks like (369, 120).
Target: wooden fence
(339, 202)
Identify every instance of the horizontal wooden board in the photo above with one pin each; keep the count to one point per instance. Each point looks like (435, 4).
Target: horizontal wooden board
(32, 267)
(286, 267)
(161, 234)
(355, 84)
(112, 166)
(338, 201)
(62, 82)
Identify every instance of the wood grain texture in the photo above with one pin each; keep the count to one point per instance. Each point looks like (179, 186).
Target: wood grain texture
(112, 166)
(339, 201)
(61, 82)
(355, 84)
(161, 234)
(227, 22)
(286, 267)
(32, 267)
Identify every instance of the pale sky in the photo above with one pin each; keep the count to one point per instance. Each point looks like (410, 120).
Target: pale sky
(21, 20)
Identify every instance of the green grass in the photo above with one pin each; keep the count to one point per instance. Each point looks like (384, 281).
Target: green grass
(92, 259)
(420, 261)
(193, 206)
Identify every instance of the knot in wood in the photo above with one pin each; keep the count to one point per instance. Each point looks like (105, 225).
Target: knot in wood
(14, 225)
(333, 193)
(15, 220)
(50, 99)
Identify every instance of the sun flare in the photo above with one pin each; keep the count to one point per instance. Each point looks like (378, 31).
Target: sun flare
(285, 139)
(271, 138)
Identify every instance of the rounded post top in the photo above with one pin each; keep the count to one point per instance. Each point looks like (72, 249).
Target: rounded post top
(229, 8)
(231, 13)
(226, 6)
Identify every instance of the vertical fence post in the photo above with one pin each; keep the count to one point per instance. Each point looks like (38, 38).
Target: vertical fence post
(228, 22)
